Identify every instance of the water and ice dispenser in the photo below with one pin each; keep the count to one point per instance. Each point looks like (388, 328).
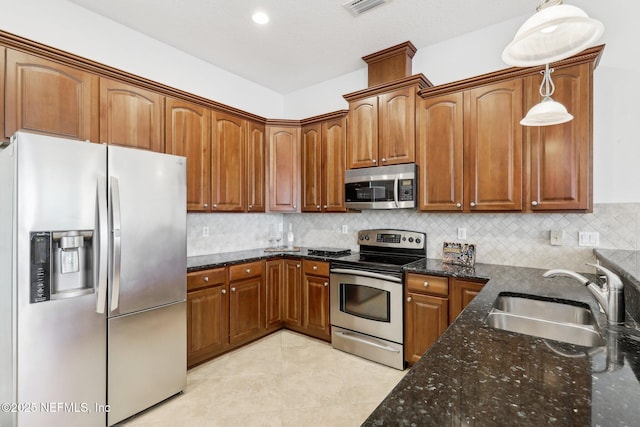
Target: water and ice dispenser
(61, 264)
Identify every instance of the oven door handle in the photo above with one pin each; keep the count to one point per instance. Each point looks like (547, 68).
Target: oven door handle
(366, 274)
(363, 340)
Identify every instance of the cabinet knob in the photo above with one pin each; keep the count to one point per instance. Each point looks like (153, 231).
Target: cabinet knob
(534, 203)
(458, 205)
(409, 299)
(295, 207)
(325, 206)
(315, 268)
(472, 204)
(374, 161)
(326, 284)
(215, 206)
(248, 270)
(250, 206)
(206, 278)
(297, 265)
(425, 284)
(206, 205)
(233, 289)
(224, 291)
(318, 207)
(383, 160)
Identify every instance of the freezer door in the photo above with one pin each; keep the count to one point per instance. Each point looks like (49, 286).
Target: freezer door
(61, 342)
(147, 193)
(147, 359)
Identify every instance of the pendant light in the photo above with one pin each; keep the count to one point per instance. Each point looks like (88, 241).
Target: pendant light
(556, 31)
(547, 112)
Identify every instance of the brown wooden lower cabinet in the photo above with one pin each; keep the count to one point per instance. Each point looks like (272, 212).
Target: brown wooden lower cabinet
(292, 293)
(431, 304)
(246, 302)
(273, 292)
(315, 296)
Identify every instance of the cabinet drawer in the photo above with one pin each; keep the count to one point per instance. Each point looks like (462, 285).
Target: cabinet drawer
(244, 271)
(434, 285)
(204, 278)
(315, 268)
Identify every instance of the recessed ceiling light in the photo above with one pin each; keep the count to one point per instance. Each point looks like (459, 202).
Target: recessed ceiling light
(260, 18)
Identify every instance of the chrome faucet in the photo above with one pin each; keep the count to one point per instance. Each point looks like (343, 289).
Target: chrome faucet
(610, 296)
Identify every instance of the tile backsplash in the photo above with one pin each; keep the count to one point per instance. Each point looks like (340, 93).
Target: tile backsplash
(512, 239)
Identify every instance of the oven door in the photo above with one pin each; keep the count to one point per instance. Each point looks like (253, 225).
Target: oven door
(367, 302)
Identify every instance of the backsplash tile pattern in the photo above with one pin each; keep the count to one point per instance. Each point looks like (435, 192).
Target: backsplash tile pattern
(513, 239)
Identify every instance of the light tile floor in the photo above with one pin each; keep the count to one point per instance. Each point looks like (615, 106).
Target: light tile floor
(284, 379)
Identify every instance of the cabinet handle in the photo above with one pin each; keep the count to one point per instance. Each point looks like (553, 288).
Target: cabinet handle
(472, 204)
(409, 299)
(534, 203)
(374, 161)
(250, 206)
(206, 278)
(206, 205)
(325, 206)
(384, 160)
(233, 289)
(458, 205)
(224, 291)
(248, 270)
(297, 265)
(326, 284)
(315, 268)
(426, 284)
(215, 206)
(295, 207)
(318, 207)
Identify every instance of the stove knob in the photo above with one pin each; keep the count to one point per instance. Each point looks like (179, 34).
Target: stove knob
(410, 239)
(361, 237)
(366, 237)
(418, 240)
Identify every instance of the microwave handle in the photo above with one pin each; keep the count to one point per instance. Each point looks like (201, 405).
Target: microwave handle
(395, 191)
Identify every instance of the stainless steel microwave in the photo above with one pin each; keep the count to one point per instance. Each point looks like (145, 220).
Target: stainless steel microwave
(383, 187)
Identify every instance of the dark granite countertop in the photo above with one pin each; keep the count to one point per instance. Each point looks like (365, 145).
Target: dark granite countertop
(203, 262)
(478, 375)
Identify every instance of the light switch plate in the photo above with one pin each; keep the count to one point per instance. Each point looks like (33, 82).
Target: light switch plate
(589, 238)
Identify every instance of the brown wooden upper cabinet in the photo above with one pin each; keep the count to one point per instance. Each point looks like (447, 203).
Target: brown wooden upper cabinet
(560, 159)
(381, 127)
(131, 116)
(323, 165)
(188, 134)
(228, 163)
(256, 164)
(46, 96)
(284, 165)
(470, 149)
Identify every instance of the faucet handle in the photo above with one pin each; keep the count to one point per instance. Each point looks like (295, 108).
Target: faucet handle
(613, 280)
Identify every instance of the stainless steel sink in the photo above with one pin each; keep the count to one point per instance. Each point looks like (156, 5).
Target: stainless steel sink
(569, 321)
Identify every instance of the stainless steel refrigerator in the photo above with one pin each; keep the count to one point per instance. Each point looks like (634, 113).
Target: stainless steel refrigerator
(92, 281)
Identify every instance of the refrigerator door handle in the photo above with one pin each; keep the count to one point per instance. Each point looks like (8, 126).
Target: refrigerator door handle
(115, 223)
(103, 243)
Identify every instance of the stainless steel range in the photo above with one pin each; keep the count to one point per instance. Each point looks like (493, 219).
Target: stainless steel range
(367, 295)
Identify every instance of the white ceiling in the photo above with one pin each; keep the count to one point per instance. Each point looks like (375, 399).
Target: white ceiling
(306, 41)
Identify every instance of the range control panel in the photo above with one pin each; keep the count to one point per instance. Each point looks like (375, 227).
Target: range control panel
(393, 238)
(40, 267)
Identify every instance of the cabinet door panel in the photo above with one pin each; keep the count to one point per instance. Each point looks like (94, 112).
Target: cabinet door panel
(311, 168)
(228, 163)
(207, 323)
(397, 127)
(316, 306)
(246, 308)
(362, 139)
(461, 294)
(256, 164)
(292, 293)
(284, 163)
(426, 318)
(334, 164)
(48, 97)
(494, 142)
(561, 155)
(188, 134)
(131, 116)
(274, 286)
(440, 147)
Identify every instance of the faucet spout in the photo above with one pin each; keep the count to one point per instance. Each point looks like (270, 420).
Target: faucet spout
(610, 296)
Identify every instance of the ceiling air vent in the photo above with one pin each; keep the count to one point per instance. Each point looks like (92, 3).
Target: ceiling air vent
(356, 7)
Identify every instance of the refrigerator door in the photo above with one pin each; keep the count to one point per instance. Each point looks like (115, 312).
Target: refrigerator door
(147, 359)
(61, 341)
(147, 193)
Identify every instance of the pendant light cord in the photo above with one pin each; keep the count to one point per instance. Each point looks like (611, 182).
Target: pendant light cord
(547, 87)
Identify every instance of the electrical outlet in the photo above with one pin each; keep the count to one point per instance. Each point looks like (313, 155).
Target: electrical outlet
(462, 233)
(556, 237)
(205, 231)
(589, 238)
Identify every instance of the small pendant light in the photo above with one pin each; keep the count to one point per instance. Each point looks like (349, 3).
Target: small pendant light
(547, 112)
(556, 31)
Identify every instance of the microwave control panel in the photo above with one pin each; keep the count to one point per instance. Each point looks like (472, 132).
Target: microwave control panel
(405, 190)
